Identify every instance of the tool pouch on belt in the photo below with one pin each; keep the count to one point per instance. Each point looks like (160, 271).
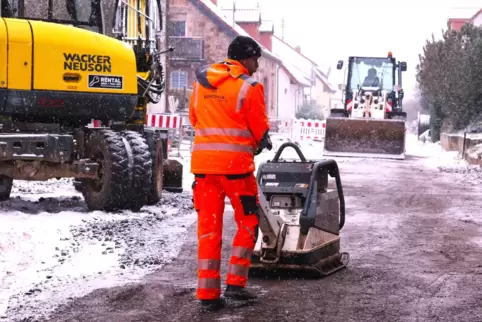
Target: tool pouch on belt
(195, 202)
(248, 199)
(251, 208)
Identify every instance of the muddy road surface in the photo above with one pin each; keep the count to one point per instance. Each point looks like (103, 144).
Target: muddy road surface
(414, 236)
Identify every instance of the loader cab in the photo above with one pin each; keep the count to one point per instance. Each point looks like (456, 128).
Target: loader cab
(374, 73)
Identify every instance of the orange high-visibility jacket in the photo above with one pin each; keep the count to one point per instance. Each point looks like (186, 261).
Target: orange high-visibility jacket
(228, 112)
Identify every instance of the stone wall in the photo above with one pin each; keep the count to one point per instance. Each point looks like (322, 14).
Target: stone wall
(472, 151)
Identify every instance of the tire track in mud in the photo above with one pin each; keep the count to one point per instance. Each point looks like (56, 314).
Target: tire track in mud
(413, 258)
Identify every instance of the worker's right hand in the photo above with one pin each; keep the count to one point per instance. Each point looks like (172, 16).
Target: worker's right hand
(264, 144)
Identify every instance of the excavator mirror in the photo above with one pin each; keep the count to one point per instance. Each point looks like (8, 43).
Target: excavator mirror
(339, 65)
(403, 66)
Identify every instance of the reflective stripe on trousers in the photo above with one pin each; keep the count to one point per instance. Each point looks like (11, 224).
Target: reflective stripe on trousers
(209, 281)
(239, 266)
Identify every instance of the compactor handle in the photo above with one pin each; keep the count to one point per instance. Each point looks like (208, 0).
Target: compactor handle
(289, 144)
(333, 171)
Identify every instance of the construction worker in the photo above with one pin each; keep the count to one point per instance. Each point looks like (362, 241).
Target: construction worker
(227, 110)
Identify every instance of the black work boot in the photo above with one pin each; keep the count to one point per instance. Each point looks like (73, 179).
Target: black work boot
(239, 293)
(212, 305)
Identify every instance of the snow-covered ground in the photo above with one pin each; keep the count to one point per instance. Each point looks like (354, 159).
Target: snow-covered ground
(52, 248)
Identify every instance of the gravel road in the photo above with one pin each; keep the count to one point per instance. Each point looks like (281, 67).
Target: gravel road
(414, 235)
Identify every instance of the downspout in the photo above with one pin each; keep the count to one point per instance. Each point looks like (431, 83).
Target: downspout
(297, 99)
(277, 90)
(164, 28)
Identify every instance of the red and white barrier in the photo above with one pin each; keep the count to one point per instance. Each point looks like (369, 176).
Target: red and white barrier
(300, 129)
(159, 121)
(95, 123)
(311, 130)
(164, 121)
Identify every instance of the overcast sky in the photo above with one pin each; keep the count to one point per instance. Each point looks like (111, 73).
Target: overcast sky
(328, 31)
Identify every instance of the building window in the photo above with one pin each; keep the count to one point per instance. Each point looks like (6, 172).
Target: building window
(178, 28)
(178, 79)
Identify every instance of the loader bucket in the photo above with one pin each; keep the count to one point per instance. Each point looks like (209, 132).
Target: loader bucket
(365, 138)
(172, 173)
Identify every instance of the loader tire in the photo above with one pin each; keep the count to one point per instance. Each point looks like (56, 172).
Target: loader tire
(108, 192)
(155, 192)
(141, 171)
(6, 184)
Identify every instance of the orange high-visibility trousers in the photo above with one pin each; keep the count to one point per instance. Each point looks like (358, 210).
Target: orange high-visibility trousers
(209, 192)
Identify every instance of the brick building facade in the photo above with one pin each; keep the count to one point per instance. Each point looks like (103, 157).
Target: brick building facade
(201, 34)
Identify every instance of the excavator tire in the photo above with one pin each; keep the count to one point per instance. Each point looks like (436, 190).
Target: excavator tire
(141, 171)
(6, 184)
(109, 191)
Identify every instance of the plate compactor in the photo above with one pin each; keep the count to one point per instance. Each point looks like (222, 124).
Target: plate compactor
(300, 217)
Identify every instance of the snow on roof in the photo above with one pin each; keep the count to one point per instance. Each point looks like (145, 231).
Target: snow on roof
(237, 28)
(477, 14)
(296, 75)
(244, 15)
(241, 4)
(228, 20)
(266, 26)
(325, 80)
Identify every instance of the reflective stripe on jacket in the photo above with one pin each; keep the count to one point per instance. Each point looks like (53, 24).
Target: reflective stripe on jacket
(227, 110)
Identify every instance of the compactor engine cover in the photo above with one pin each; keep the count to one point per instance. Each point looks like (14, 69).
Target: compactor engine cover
(304, 211)
(63, 72)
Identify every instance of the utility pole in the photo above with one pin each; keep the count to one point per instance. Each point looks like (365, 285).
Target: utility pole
(283, 28)
(234, 11)
(164, 29)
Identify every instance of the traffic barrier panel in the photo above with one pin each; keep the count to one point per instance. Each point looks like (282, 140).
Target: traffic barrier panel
(309, 130)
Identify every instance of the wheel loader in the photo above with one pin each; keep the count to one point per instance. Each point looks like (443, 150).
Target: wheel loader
(301, 215)
(58, 71)
(372, 122)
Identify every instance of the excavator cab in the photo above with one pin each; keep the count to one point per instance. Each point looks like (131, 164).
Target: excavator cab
(80, 13)
(135, 22)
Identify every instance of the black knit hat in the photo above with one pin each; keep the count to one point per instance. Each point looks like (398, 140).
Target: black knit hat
(243, 47)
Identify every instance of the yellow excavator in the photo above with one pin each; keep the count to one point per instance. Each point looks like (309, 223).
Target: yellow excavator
(60, 67)
(372, 122)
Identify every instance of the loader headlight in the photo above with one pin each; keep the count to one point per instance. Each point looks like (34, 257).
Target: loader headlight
(375, 101)
(362, 100)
